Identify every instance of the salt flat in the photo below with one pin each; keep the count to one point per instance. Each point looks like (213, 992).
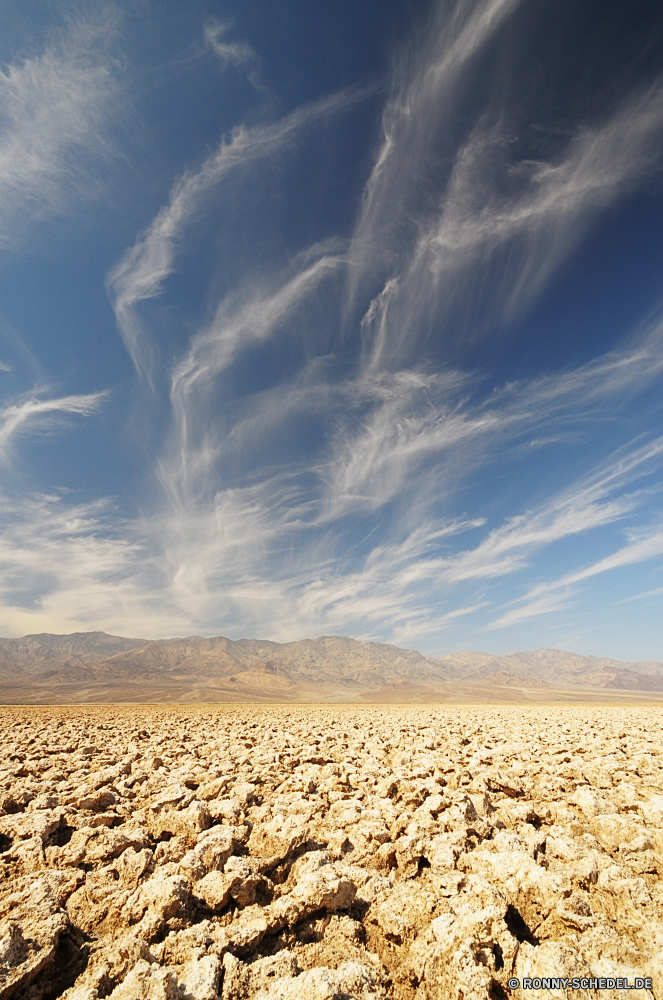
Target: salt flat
(319, 852)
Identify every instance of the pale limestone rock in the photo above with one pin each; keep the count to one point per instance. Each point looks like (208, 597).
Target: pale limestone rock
(319, 890)
(147, 982)
(213, 788)
(31, 924)
(157, 900)
(403, 910)
(279, 837)
(351, 979)
(81, 993)
(242, 980)
(199, 978)
(217, 844)
(23, 826)
(244, 793)
(227, 809)
(214, 889)
(652, 810)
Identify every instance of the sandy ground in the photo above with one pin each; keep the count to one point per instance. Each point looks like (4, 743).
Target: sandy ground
(205, 694)
(331, 852)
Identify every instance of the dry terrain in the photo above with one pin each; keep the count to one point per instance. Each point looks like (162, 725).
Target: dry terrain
(96, 668)
(330, 852)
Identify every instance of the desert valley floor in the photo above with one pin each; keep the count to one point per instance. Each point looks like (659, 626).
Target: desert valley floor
(331, 852)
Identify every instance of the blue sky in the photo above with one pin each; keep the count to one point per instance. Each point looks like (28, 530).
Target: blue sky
(333, 318)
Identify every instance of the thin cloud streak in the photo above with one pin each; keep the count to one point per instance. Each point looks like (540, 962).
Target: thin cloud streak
(57, 110)
(238, 55)
(234, 328)
(14, 416)
(589, 504)
(229, 53)
(141, 274)
(500, 226)
(549, 597)
(66, 567)
(415, 416)
(626, 468)
(422, 87)
(263, 550)
(250, 560)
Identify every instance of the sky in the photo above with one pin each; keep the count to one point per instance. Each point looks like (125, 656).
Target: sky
(333, 318)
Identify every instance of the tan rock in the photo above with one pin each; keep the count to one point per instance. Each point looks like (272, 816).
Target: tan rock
(412, 853)
(214, 889)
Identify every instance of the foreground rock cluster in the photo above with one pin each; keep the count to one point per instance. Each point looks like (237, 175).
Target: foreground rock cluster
(328, 853)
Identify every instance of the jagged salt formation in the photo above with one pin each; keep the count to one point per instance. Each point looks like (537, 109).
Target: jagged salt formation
(328, 853)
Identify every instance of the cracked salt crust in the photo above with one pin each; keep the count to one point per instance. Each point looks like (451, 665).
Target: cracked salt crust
(328, 853)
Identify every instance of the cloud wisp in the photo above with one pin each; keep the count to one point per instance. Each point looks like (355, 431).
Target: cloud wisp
(301, 550)
(58, 109)
(72, 567)
(140, 275)
(478, 251)
(555, 595)
(237, 55)
(16, 418)
(188, 470)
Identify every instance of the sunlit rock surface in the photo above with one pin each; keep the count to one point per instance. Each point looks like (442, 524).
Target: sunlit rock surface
(328, 853)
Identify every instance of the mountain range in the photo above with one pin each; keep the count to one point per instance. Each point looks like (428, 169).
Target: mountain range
(88, 667)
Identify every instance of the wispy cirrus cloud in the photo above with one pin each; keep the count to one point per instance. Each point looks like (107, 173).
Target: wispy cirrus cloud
(404, 420)
(58, 107)
(278, 551)
(238, 55)
(236, 326)
(253, 560)
(139, 277)
(32, 412)
(502, 218)
(601, 498)
(554, 595)
(230, 53)
(70, 566)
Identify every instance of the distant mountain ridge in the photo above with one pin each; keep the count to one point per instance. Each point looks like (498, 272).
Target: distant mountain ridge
(32, 652)
(90, 666)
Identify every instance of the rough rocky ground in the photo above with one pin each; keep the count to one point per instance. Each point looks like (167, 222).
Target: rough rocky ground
(328, 853)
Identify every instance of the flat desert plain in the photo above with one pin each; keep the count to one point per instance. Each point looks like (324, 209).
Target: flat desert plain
(331, 852)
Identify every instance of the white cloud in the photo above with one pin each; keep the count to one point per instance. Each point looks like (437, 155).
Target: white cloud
(478, 250)
(236, 326)
(596, 500)
(422, 91)
(553, 201)
(252, 561)
(588, 505)
(554, 595)
(65, 568)
(645, 593)
(141, 274)
(235, 54)
(30, 411)
(402, 420)
(57, 108)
